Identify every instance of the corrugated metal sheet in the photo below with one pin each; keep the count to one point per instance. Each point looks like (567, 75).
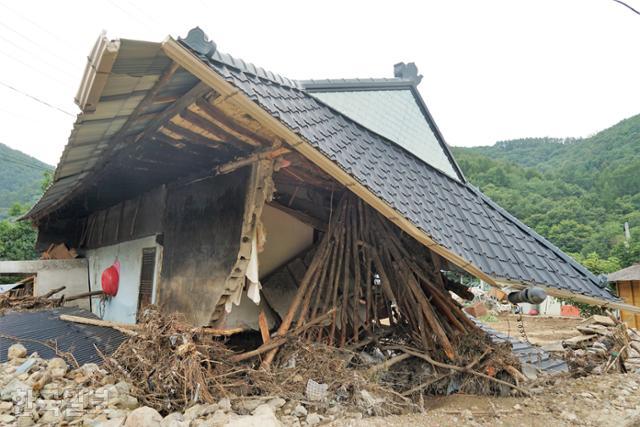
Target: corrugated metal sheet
(137, 67)
(33, 328)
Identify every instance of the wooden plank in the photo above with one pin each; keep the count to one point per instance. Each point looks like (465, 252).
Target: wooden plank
(625, 292)
(264, 327)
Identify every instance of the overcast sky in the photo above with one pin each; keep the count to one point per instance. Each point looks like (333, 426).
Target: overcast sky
(493, 70)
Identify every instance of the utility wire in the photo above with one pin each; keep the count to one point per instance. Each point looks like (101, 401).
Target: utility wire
(35, 55)
(36, 70)
(35, 98)
(41, 48)
(35, 24)
(627, 6)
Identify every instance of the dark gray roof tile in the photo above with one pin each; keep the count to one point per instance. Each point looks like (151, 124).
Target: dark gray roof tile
(454, 214)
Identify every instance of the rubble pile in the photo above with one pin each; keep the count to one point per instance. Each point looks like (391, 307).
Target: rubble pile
(34, 391)
(11, 302)
(604, 345)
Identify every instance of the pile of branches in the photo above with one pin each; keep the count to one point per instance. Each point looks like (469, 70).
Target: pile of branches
(346, 374)
(11, 302)
(173, 365)
(372, 279)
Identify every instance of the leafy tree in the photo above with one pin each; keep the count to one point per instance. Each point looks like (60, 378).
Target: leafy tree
(576, 192)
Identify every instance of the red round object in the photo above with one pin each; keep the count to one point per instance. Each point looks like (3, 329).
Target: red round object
(110, 279)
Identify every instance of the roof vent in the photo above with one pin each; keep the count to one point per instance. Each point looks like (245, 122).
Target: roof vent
(407, 72)
(198, 41)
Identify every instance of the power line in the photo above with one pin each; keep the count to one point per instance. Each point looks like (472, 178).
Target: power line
(35, 24)
(29, 66)
(34, 54)
(35, 98)
(627, 6)
(41, 48)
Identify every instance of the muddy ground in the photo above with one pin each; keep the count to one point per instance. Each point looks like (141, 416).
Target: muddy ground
(540, 330)
(608, 400)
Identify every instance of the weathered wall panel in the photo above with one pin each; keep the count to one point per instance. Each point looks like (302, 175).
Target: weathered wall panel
(128, 220)
(202, 228)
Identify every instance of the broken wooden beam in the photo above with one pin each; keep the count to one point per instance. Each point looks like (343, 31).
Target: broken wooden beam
(235, 164)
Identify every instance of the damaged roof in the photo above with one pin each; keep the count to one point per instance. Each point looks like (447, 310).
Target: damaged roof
(442, 205)
(455, 214)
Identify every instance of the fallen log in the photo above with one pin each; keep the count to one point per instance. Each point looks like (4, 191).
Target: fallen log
(83, 295)
(53, 292)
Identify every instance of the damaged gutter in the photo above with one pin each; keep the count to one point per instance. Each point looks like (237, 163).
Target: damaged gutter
(558, 293)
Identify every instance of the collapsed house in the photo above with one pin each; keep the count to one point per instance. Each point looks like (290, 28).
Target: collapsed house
(237, 197)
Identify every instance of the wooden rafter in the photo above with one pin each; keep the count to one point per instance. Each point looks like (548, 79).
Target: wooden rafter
(183, 102)
(230, 125)
(209, 127)
(171, 130)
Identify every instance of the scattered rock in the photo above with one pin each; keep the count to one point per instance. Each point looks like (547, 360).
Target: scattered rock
(16, 351)
(313, 419)
(224, 404)
(263, 416)
(276, 403)
(299, 411)
(174, 419)
(143, 417)
(14, 389)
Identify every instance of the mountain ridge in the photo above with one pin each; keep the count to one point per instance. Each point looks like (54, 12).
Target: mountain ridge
(20, 178)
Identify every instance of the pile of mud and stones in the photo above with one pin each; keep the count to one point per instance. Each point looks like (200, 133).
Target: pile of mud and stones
(35, 391)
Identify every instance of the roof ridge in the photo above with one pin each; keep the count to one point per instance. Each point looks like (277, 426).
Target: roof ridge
(199, 42)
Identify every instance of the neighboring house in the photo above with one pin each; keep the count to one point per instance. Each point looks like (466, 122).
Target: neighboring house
(184, 158)
(627, 284)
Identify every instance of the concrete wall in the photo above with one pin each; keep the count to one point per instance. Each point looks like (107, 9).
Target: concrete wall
(123, 307)
(52, 274)
(286, 237)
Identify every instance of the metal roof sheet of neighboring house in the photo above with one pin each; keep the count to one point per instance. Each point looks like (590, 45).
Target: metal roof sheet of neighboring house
(629, 273)
(34, 329)
(454, 214)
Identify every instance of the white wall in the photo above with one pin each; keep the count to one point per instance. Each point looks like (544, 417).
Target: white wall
(122, 307)
(286, 238)
(52, 274)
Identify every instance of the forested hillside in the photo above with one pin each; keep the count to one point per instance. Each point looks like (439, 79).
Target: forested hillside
(20, 178)
(576, 192)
